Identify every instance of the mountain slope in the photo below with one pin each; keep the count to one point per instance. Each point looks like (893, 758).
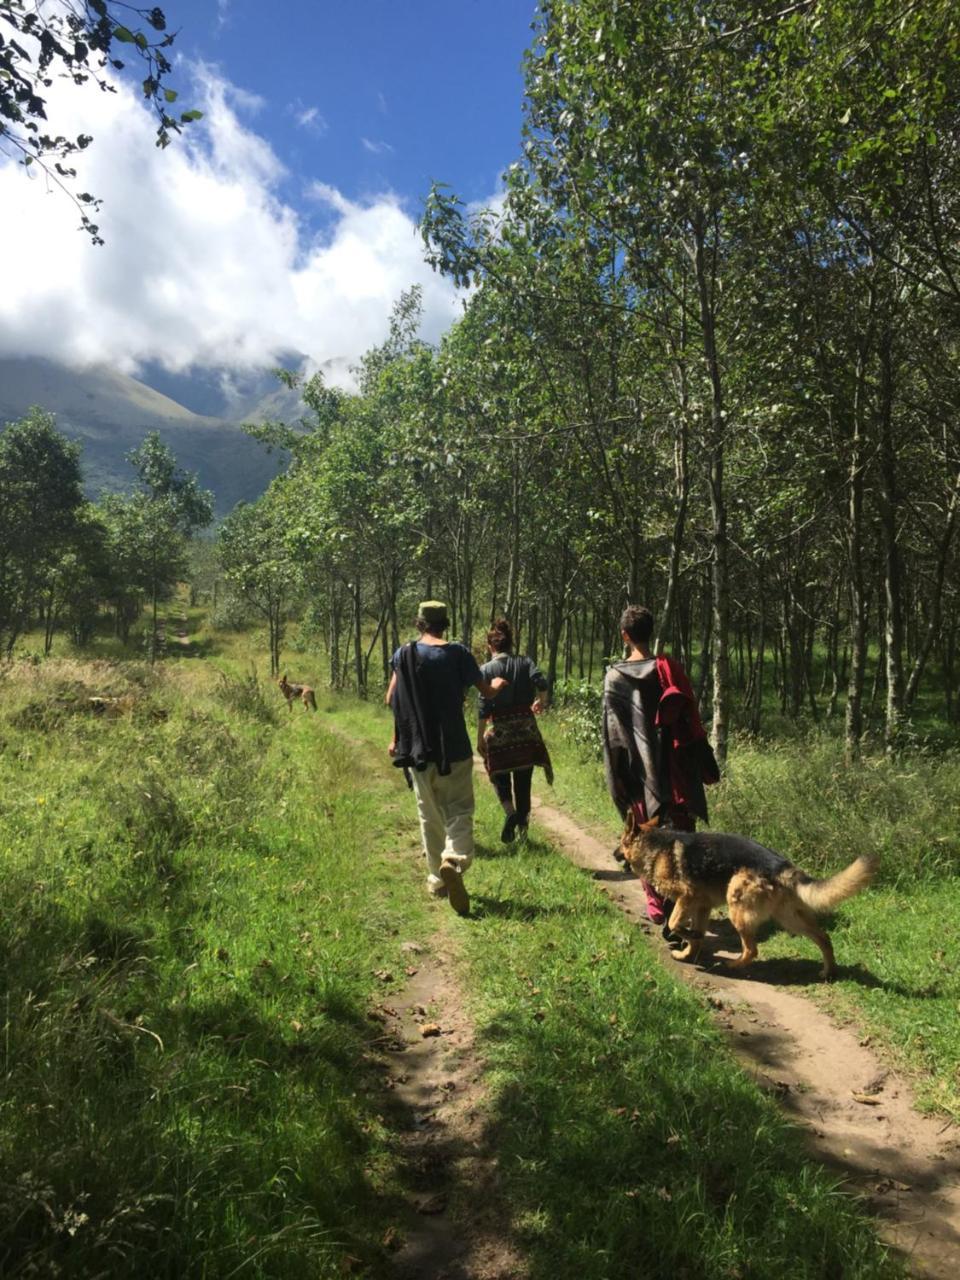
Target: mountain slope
(109, 413)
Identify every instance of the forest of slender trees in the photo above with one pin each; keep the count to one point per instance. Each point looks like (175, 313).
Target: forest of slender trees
(708, 360)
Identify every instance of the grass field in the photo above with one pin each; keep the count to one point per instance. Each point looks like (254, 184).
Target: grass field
(194, 914)
(896, 944)
(204, 897)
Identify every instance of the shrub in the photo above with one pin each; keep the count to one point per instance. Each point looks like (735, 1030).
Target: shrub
(580, 707)
(247, 696)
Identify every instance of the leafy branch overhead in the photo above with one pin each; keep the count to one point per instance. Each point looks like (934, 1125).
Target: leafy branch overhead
(84, 41)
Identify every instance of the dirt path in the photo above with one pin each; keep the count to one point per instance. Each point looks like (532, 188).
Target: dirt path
(906, 1165)
(457, 1228)
(181, 632)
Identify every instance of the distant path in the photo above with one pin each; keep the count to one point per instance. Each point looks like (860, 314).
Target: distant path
(181, 631)
(457, 1228)
(906, 1165)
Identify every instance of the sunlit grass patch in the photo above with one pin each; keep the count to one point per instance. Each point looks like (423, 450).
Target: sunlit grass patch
(194, 910)
(624, 1129)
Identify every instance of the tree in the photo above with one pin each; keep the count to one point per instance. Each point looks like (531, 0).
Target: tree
(76, 581)
(80, 39)
(151, 527)
(41, 498)
(252, 550)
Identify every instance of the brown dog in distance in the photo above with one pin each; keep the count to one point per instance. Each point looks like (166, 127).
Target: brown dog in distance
(706, 869)
(301, 691)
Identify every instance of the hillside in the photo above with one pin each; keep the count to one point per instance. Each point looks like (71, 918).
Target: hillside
(109, 413)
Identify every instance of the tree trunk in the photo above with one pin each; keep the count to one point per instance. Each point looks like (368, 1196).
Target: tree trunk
(853, 727)
(893, 634)
(936, 604)
(718, 511)
(358, 641)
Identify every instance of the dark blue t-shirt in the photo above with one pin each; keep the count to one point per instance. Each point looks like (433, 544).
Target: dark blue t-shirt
(444, 672)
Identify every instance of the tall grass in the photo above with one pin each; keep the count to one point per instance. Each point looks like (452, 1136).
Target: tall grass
(191, 915)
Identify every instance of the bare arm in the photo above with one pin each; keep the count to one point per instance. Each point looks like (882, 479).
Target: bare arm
(391, 689)
(490, 688)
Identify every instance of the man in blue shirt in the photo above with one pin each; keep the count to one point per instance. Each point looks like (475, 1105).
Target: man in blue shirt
(431, 742)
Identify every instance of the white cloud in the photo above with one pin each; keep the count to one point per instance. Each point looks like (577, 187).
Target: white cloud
(204, 264)
(309, 117)
(378, 148)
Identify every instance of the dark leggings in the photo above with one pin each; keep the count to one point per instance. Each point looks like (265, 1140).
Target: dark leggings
(519, 796)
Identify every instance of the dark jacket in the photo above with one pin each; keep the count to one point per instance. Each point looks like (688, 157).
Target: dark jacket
(655, 750)
(414, 747)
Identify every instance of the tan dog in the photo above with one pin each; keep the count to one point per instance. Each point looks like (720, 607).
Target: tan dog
(301, 691)
(705, 869)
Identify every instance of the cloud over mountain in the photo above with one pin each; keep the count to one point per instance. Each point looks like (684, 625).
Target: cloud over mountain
(205, 263)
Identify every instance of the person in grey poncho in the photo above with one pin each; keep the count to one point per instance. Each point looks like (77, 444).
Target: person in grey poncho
(655, 751)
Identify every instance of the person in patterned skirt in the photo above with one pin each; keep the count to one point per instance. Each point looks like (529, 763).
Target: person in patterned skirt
(509, 740)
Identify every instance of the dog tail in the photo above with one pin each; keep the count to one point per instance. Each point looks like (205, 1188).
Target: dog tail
(821, 895)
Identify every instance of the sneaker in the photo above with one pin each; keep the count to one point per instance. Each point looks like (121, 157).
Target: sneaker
(452, 879)
(522, 831)
(436, 890)
(509, 828)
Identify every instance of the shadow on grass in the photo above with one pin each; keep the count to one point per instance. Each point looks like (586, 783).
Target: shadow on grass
(199, 647)
(183, 1126)
(798, 971)
(610, 1140)
(483, 907)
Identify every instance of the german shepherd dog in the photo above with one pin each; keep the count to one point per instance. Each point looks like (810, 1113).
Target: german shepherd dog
(705, 869)
(293, 691)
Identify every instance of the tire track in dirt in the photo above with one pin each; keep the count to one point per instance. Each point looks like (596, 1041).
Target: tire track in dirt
(905, 1165)
(457, 1227)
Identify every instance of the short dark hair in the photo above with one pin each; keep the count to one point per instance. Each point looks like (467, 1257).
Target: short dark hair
(637, 622)
(500, 636)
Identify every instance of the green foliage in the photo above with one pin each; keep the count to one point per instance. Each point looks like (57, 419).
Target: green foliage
(41, 516)
(580, 711)
(76, 40)
(246, 696)
(252, 549)
(188, 948)
(800, 797)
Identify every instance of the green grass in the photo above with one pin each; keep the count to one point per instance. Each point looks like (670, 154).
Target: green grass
(624, 1130)
(199, 895)
(895, 943)
(628, 1141)
(195, 903)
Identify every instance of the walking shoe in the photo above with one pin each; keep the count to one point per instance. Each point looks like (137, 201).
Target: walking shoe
(436, 890)
(452, 879)
(522, 831)
(670, 937)
(509, 828)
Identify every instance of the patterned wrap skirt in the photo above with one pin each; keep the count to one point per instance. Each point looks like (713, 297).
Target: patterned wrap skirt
(511, 740)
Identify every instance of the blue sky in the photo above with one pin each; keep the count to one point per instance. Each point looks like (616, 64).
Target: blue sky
(375, 94)
(285, 220)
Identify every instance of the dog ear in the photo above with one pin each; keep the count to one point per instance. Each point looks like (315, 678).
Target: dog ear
(631, 821)
(653, 823)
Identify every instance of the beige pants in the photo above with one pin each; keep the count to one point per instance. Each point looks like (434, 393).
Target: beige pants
(445, 806)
